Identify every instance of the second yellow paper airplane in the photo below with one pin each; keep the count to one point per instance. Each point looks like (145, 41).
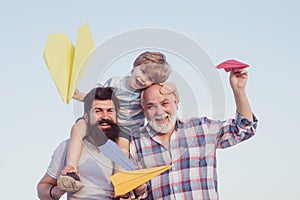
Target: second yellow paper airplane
(126, 181)
(67, 63)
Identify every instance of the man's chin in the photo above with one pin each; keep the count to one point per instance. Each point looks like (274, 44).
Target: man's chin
(163, 128)
(160, 129)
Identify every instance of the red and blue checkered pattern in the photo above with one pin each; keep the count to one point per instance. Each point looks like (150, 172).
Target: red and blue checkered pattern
(192, 152)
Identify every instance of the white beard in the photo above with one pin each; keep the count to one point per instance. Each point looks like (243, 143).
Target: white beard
(165, 127)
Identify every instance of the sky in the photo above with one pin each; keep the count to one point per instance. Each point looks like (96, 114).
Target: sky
(264, 34)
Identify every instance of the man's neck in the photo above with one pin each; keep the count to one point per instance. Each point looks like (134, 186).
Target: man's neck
(165, 137)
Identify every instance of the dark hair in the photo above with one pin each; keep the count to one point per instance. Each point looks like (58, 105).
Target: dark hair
(99, 93)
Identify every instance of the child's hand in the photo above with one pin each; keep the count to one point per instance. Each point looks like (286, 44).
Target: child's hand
(79, 96)
(167, 88)
(69, 169)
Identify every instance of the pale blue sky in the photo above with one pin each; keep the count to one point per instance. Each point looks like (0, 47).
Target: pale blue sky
(264, 34)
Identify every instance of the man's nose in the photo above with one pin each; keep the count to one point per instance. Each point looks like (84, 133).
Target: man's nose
(104, 115)
(160, 110)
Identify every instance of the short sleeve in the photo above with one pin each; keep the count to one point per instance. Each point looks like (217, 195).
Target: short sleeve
(58, 160)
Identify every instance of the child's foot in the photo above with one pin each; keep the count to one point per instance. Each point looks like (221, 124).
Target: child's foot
(69, 182)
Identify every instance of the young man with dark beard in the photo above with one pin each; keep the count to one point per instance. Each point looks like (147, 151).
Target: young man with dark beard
(95, 169)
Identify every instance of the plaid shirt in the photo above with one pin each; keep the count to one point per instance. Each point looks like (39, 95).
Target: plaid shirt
(192, 152)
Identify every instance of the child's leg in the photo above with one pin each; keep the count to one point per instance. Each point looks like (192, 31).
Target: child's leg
(78, 131)
(123, 143)
(69, 180)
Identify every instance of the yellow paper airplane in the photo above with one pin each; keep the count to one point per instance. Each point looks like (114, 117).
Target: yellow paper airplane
(126, 181)
(67, 63)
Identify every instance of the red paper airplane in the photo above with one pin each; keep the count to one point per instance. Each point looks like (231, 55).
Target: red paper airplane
(228, 65)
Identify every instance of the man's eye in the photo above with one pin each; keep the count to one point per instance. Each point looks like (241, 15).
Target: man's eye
(165, 104)
(150, 107)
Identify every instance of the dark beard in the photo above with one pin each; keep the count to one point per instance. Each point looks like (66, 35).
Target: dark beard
(111, 133)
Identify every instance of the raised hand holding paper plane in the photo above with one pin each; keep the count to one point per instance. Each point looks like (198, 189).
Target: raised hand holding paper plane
(234, 65)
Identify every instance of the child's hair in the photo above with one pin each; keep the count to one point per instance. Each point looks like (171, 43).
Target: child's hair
(99, 93)
(154, 62)
(150, 57)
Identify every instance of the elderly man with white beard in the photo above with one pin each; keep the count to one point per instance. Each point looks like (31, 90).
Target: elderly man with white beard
(189, 145)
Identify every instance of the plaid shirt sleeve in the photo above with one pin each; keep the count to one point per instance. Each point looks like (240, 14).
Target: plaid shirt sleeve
(234, 131)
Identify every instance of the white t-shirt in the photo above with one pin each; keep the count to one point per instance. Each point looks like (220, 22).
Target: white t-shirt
(94, 171)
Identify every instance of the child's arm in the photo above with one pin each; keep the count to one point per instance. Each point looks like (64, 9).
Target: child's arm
(78, 131)
(79, 96)
(123, 143)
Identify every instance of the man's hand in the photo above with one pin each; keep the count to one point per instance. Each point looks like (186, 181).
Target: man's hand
(96, 136)
(122, 197)
(238, 79)
(140, 192)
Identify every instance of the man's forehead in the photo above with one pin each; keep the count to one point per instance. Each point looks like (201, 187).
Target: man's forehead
(153, 95)
(105, 104)
(157, 100)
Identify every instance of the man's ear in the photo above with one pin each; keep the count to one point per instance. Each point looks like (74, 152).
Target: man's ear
(142, 107)
(86, 117)
(176, 101)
